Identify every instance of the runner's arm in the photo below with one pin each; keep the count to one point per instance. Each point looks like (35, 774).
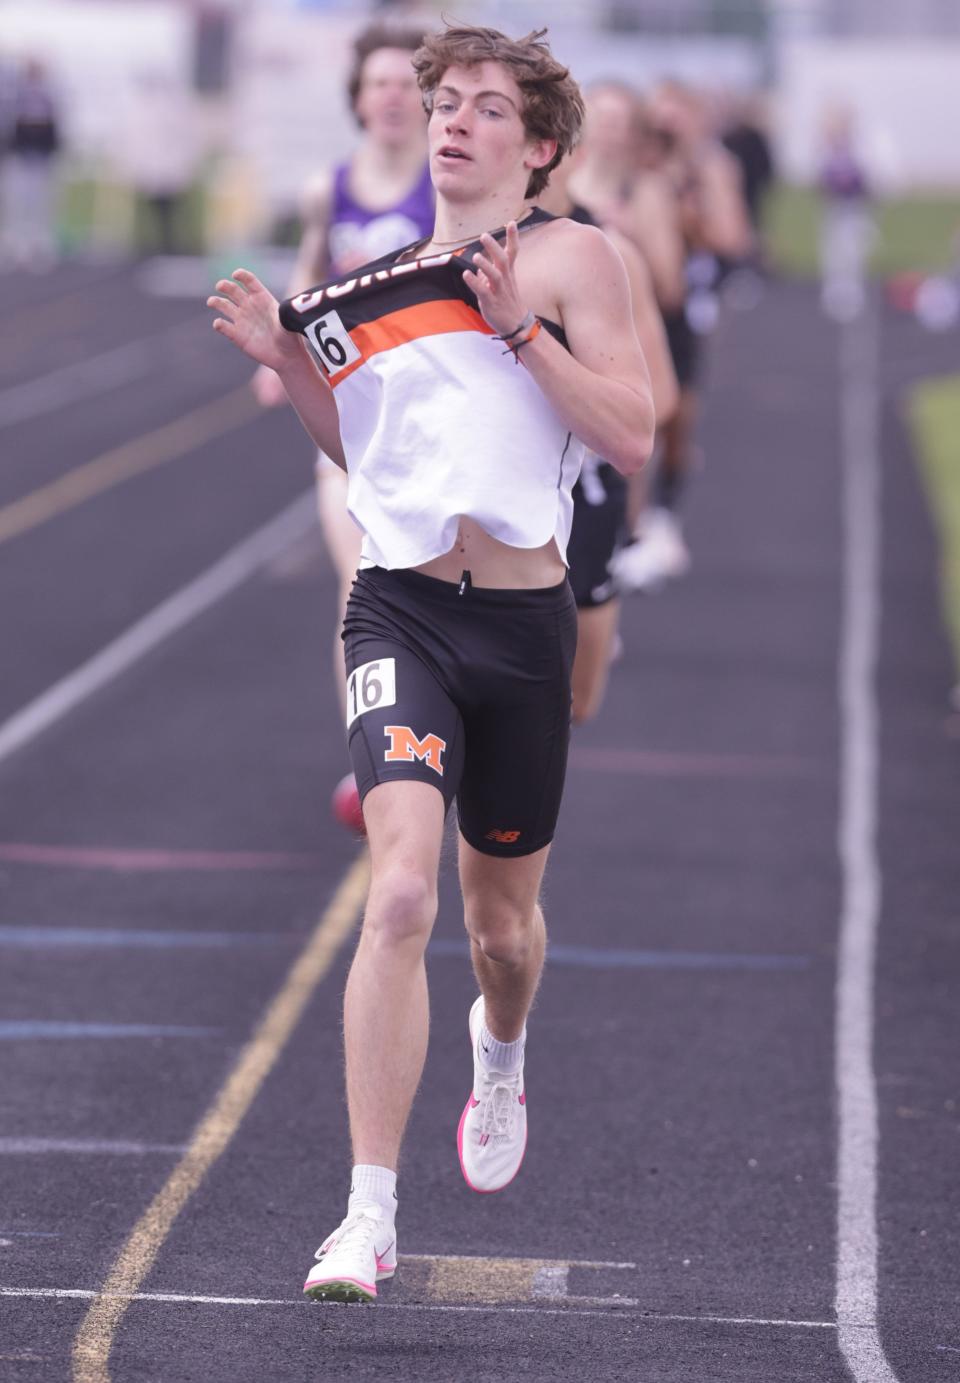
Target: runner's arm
(310, 267)
(250, 319)
(724, 225)
(651, 221)
(600, 387)
(313, 253)
(650, 329)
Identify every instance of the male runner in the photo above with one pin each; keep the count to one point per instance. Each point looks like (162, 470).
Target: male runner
(462, 381)
(623, 189)
(379, 200)
(715, 232)
(601, 512)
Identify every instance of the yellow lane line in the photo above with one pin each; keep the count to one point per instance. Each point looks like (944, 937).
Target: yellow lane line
(91, 1351)
(142, 454)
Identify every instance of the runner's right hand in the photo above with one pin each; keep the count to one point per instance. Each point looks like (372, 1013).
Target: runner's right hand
(250, 319)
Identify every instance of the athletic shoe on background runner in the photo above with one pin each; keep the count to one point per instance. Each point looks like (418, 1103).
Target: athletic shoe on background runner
(658, 555)
(360, 1252)
(492, 1136)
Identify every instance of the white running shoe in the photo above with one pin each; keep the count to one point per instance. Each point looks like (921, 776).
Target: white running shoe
(658, 555)
(492, 1136)
(360, 1252)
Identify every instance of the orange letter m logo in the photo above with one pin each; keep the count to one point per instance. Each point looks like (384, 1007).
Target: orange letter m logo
(405, 747)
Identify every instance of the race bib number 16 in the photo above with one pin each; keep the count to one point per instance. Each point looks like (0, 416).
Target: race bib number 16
(332, 342)
(371, 686)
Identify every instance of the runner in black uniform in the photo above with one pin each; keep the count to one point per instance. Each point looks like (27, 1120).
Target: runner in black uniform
(706, 183)
(599, 515)
(601, 499)
(488, 667)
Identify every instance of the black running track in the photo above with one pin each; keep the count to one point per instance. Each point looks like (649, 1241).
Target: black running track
(166, 850)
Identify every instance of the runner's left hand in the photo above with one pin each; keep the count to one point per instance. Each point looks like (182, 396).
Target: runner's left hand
(494, 281)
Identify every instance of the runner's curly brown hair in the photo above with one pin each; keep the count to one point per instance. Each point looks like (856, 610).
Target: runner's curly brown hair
(552, 103)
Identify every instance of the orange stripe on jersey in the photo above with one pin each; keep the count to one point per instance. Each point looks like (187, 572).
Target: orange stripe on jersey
(407, 324)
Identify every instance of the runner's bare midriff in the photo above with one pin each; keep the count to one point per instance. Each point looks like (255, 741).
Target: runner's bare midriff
(494, 564)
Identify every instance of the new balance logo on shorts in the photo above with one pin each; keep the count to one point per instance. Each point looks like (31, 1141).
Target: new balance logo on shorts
(405, 746)
(503, 837)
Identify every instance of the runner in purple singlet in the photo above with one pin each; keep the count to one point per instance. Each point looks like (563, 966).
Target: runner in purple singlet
(376, 202)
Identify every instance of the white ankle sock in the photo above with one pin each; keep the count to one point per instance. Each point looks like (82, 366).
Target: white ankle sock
(505, 1057)
(373, 1186)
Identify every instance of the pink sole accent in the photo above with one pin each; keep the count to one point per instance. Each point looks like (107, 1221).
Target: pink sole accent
(482, 1190)
(370, 1287)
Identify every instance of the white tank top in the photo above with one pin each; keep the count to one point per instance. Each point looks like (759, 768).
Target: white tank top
(436, 420)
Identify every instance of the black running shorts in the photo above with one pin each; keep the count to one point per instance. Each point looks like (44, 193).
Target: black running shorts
(468, 692)
(599, 520)
(685, 347)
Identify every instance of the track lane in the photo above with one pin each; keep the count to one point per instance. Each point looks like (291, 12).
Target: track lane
(699, 1075)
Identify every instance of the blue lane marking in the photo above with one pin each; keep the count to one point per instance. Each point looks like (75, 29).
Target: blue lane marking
(591, 958)
(12, 1031)
(32, 1147)
(38, 938)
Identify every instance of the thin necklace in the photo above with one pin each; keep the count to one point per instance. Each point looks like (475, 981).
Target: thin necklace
(461, 240)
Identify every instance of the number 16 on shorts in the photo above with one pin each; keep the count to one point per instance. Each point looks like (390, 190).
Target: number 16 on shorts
(370, 686)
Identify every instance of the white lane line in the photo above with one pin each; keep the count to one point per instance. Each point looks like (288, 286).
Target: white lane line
(858, 1137)
(165, 619)
(96, 375)
(16, 1147)
(749, 1320)
(473, 1258)
(615, 1304)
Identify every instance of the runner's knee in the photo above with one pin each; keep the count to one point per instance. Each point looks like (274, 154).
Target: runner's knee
(401, 907)
(503, 930)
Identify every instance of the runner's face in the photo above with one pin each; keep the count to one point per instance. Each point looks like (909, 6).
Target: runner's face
(608, 132)
(388, 102)
(478, 143)
(677, 114)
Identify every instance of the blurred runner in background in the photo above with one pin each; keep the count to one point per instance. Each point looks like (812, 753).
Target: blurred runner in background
(621, 189)
(745, 135)
(846, 225)
(161, 156)
(29, 170)
(679, 144)
(377, 201)
(600, 496)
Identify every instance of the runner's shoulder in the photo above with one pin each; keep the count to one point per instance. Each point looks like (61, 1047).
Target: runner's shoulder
(317, 197)
(576, 248)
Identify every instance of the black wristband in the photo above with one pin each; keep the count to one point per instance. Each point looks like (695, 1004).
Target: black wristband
(525, 325)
